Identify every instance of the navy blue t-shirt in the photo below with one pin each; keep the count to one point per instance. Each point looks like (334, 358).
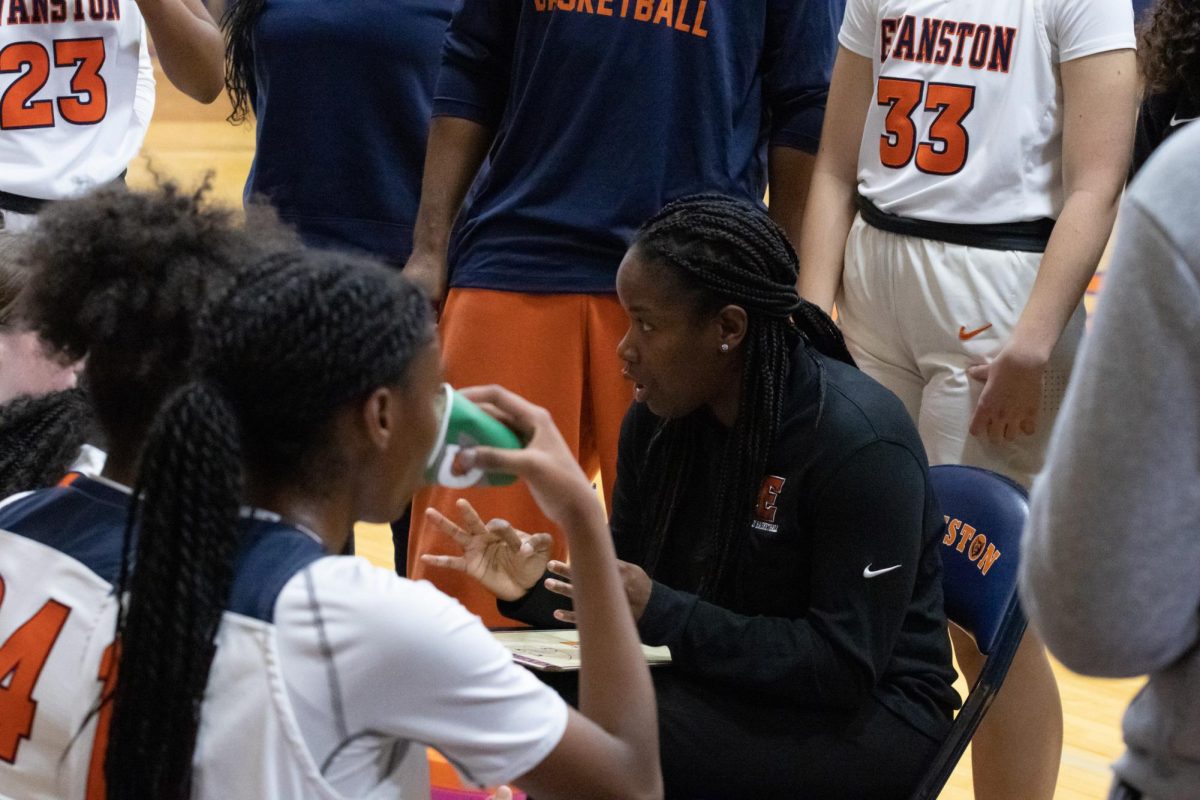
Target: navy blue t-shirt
(604, 110)
(342, 95)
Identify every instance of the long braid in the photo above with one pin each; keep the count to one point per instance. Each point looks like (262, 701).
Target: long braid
(191, 485)
(238, 23)
(278, 353)
(728, 251)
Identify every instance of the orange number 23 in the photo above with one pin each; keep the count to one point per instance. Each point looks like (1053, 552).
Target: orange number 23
(946, 151)
(88, 102)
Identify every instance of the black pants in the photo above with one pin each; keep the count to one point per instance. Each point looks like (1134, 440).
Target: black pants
(718, 745)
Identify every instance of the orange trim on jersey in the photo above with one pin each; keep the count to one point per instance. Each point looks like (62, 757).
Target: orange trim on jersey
(68, 479)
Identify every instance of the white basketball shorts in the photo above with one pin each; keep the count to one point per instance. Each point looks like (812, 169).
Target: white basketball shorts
(916, 313)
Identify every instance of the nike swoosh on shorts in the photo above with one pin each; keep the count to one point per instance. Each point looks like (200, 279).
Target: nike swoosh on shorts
(870, 573)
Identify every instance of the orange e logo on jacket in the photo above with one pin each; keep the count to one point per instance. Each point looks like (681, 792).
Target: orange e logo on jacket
(685, 16)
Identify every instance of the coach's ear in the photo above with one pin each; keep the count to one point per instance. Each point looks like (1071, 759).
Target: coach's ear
(732, 324)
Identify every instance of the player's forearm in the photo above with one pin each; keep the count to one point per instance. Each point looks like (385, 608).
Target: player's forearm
(827, 220)
(1099, 109)
(189, 46)
(615, 690)
(830, 210)
(1068, 265)
(790, 172)
(456, 149)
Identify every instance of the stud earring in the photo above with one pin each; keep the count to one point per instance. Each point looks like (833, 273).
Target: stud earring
(724, 348)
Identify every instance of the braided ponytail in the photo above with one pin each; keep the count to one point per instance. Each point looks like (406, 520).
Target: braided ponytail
(729, 251)
(40, 437)
(185, 509)
(278, 353)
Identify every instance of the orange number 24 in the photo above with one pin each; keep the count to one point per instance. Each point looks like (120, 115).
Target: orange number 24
(22, 657)
(946, 151)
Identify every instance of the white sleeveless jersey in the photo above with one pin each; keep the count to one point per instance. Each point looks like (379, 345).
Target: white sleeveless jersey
(331, 677)
(76, 94)
(59, 555)
(966, 122)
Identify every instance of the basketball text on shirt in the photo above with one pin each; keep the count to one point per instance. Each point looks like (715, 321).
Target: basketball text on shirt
(686, 16)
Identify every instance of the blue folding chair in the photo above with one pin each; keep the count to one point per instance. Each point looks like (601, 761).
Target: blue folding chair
(985, 514)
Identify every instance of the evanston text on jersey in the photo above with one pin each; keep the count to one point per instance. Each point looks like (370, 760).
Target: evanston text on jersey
(945, 41)
(33, 12)
(686, 16)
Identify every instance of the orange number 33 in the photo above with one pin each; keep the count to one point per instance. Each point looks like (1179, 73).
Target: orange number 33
(946, 151)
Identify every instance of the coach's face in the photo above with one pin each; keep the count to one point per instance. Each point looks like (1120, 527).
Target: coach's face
(672, 351)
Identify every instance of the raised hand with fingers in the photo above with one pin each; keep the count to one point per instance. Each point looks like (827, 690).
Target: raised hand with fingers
(507, 561)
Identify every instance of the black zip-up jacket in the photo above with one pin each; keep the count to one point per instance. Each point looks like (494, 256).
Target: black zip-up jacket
(837, 594)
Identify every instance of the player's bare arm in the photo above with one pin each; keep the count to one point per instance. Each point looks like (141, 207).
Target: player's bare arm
(610, 747)
(453, 156)
(830, 208)
(1100, 102)
(189, 46)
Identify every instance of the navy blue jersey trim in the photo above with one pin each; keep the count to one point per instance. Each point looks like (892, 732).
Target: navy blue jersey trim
(84, 520)
(271, 553)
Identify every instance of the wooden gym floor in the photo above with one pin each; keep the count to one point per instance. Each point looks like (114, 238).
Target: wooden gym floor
(186, 140)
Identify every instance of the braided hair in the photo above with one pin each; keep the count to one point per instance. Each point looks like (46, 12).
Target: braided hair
(40, 437)
(238, 22)
(724, 251)
(287, 346)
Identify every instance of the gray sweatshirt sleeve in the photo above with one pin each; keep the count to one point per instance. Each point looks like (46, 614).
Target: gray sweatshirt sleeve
(1111, 563)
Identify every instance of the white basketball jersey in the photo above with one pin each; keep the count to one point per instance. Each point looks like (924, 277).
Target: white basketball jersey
(76, 94)
(965, 125)
(59, 553)
(331, 676)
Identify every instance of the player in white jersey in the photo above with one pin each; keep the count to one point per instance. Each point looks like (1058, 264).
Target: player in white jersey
(964, 139)
(77, 89)
(118, 276)
(254, 663)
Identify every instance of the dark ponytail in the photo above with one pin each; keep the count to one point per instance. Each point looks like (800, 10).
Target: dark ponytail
(238, 23)
(278, 353)
(185, 546)
(726, 251)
